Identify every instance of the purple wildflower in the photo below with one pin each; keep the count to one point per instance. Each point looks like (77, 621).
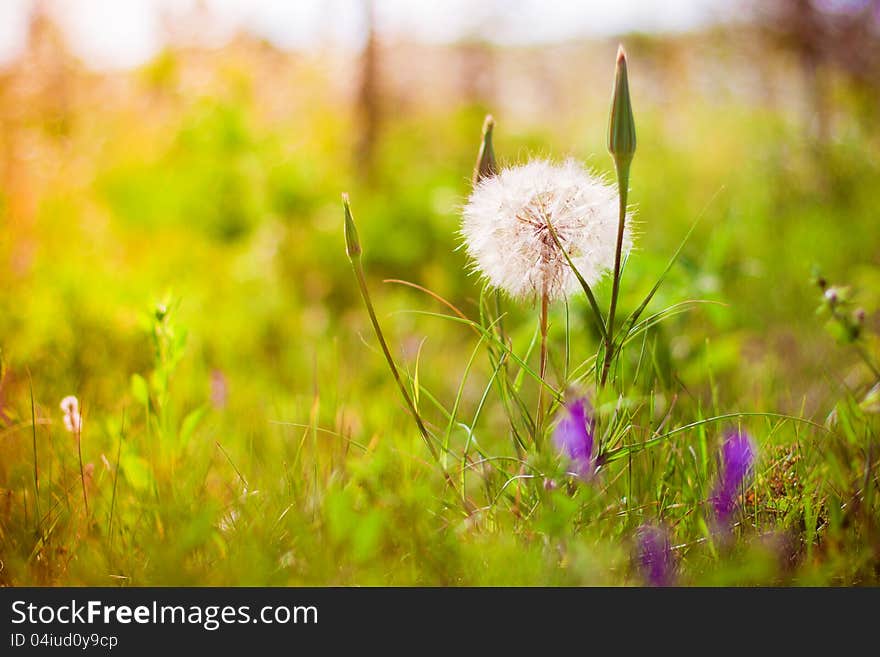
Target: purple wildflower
(655, 556)
(738, 455)
(573, 437)
(219, 389)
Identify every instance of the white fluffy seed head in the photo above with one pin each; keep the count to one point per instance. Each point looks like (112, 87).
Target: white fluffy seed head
(506, 232)
(72, 416)
(70, 405)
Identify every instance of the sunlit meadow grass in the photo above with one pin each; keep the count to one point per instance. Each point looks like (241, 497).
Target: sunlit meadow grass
(239, 424)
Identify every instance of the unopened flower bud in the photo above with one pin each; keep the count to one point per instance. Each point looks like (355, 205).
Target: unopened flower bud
(486, 165)
(621, 126)
(352, 243)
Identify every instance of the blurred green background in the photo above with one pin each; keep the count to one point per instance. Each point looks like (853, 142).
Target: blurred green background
(208, 180)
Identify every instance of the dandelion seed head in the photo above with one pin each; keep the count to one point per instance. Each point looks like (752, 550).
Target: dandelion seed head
(506, 228)
(72, 417)
(70, 404)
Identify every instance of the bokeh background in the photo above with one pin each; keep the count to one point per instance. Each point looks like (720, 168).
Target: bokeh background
(193, 154)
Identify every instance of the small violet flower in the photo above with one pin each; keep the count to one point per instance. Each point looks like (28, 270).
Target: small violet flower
(738, 456)
(573, 437)
(219, 389)
(655, 556)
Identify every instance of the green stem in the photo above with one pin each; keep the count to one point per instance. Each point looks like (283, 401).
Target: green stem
(864, 355)
(597, 314)
(365, 294)
(539, 419)
(622, 166)
(866, 358)
(115, 481)
(82, 474)
(36, 469)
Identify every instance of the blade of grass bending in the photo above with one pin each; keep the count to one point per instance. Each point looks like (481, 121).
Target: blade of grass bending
(580, 372)
(430, 293)
(448, 434)
(634, 317)
(234, 467)
(300, 425)
(505, 390)
(517, 381)
(507, 394)
(567, 343)
(415, 376)
(500, 315)
(472, 427)
(115, 480)
(39, 518)
(660, 316)
(621, 452)
(494, 340)
(641, 359)
(353, 250)
(597, 314)
(447, 414)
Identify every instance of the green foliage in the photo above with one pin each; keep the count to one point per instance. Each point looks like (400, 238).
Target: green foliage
(249, 432)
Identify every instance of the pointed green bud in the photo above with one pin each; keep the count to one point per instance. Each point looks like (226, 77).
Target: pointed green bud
(622, 126)
(486, 166)
(352, 243)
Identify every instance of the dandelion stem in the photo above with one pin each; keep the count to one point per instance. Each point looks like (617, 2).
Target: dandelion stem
(622, 166)
(539, 419)
(597, 314)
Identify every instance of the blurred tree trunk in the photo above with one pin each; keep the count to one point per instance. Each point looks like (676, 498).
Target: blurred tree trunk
(368, 99)
(842, 39)
(37, 116)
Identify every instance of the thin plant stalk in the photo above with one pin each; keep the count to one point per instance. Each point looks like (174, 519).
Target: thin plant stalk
(539, 419)
(36, 467)
(365, 295)
(115, 481)
(622, 146)
(597, 314)
(622, 185)
(82, 474)
(860, 350)
(866, 358)
(353, 249)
